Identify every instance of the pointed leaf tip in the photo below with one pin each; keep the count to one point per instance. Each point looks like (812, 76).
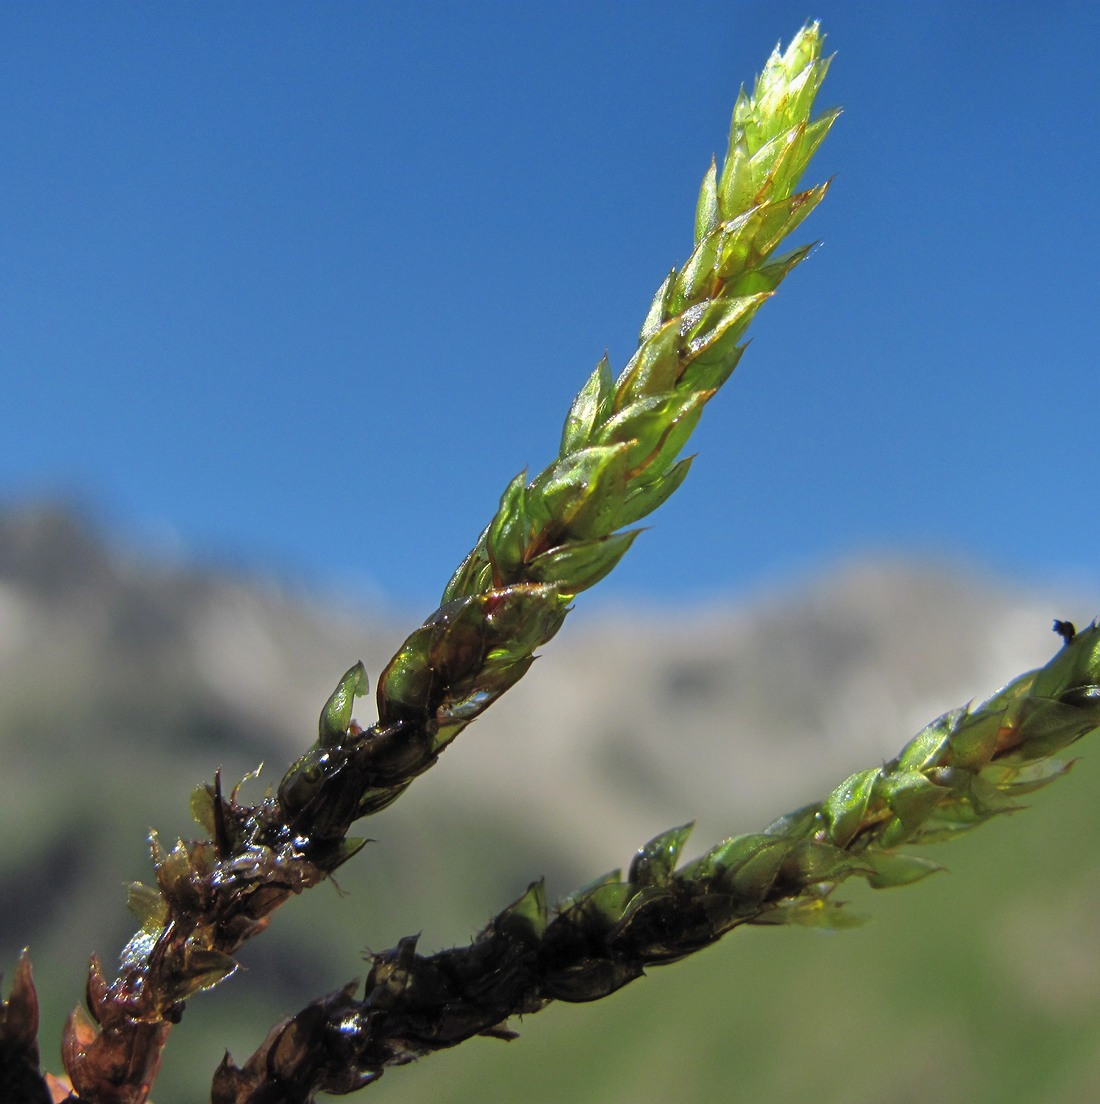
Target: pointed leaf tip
(655, 861)
(336, 716)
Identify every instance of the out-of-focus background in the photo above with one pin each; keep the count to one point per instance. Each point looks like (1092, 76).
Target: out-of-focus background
(287, 299)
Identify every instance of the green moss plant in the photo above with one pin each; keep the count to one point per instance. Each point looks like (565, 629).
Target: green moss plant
(553, 536)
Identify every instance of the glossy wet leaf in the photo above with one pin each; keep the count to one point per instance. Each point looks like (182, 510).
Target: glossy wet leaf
(706, 210)
(752, 877)
(704, 326)
(606, 902)
(655, 862)
(812, 861)
(751, 238)
(575, 898)
(147, 905)
(698, 279)
(659, 310)
(581, 564)
(527, 917)
(846, 807)
(720, 857)
(654, 368)
(767, 277)
(205, 969)
(927, 747)
(202, 807)
(473, 575)
(580, 494)
(888, 870)
(589, 410)
(911, 796)
(406, 682)
(336, 715)
(644, 498)
(655, 429)
(510, 531)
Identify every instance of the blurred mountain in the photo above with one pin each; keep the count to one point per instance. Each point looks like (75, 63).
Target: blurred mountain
(126, 680)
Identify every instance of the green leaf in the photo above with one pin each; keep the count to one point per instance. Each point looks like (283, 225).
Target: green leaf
(605, 902)
(813, 135)
(753, 876)
(645, 899)
(777, 164)
(812, 861)
(148, 906)
(459, 644)
(336, 715)
(767, 277)
(712, 333)
(643, 498)
(735, 184)
(659, 311)
(1074, 667)
(698, 278)
(846, 807)
(456, 711)
(655, 429)
(653, 369)
(797, 824)
(973, 739)
(578, 565)
(889, 870)
(472, 576)
(405, 684)
(520, 618)
(706, 210)
(677, 432)
(579, 495)
(945, 823)
(655, 862)
(803, 60)
(578, 896)
(468, 652)
(704, 323)
(509, 531)
(525, 918)
(712, 360)
(714, 863)
(1024, 778)
(987, 800)
(752, 237)
(1048, 727)
(927, 747)
(203, 970)
(911, 797)
(202, 807)
(590, 409)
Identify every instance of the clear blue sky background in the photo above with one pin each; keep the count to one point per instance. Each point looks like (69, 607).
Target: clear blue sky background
(301, 286)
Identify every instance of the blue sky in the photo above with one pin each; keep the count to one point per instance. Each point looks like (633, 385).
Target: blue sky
(301, 286)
